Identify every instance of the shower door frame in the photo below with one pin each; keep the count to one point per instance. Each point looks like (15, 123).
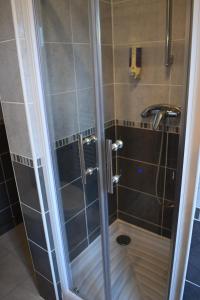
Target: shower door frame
(191, 154)
(27, 10)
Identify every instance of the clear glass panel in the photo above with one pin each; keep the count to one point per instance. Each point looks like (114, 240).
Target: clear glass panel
(135, 77)
(67, 66)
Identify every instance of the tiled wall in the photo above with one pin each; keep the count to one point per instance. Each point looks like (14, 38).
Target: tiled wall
(80, 202)
(10, 212)
(34, 224)
(142, 24)
(68, 54)
(192, 284)
(15, 118)
(69, 65)
(138, 165)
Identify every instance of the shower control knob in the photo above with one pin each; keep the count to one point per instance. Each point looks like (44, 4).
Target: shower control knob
(117, 145)
(90, 139)
(90, 171)
(116, 178)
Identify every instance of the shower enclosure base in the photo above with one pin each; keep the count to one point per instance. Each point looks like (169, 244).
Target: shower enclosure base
(138, 271)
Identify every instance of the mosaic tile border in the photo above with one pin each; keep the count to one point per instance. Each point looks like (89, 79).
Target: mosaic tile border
(73, 138)
(148, 126)
(25, 160)
(142, 125)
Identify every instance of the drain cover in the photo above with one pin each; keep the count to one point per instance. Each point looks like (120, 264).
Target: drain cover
(123, 240)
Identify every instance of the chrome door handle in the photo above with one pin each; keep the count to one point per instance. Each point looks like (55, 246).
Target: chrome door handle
(81, 142)
(82, 157)
(90, 171)
(109, 166)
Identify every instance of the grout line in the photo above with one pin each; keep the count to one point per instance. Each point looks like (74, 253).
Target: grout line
(73, 90)
(93, 231)
(133, 216)
(84, 240)
(142, 42)
(97, 199)
(5, 208)
(7, 41)
(165, 177)
(39, 246)
(192, 283)
(143, 220)
(36, 271)
(74, 216)
(7, 192)
(147, 194)
(31, 208)
(74, 65)
(7, 180)
(144, 162)
(150, 84)
(69, 183)
(138, 191)
(15, 102)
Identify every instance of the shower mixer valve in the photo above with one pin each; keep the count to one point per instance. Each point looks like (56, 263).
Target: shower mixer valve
(161, 112)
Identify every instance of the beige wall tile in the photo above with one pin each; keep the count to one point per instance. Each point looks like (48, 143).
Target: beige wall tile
(60, 67)
(178, 67)
(179, 19)
(6, 22)
(131, 100)
(16, 129)
(10, 81)
(65, 115)
(83, 66)
(80, 21)
(136, 21)
(106, 23)
(56, 20)
(153, 69)
(177, 96)
(86, 108)
(107, 64)
(109, 109)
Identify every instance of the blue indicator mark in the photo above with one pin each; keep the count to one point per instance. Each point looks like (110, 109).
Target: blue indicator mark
(140, 170)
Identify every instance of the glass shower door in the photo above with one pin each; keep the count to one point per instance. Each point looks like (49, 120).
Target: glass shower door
(65, 44)
(144, 99)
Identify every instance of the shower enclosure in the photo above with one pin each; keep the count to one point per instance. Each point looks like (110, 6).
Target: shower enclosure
(114, 83)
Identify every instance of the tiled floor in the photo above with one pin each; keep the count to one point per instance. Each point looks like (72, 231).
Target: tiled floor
(16, 275)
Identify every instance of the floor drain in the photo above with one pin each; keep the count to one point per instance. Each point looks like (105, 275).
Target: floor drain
(123, 240)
